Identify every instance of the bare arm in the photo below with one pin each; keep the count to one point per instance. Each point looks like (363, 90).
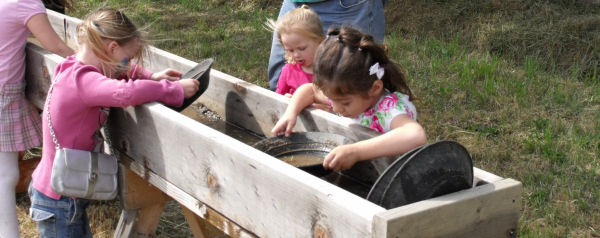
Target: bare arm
(302, 98)
(42, 30)
(405, 135)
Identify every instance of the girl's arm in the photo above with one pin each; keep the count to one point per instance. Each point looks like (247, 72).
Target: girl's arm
(96, 89)
(405, 135)
(139, 72)
(168, 74)
(302, 98)
(42, 30)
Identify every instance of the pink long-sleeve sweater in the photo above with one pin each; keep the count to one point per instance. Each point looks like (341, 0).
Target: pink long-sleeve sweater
(76, 103)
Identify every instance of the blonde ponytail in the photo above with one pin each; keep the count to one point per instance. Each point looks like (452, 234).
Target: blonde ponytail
(110, 24)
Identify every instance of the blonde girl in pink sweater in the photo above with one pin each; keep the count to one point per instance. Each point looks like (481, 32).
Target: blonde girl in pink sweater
(99, 76)
(20, 126)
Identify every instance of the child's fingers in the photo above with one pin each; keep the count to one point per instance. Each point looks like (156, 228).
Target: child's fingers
(277, 129)
(328, 161)
(274, 130)
(288, 129)
(172, 78)
(174, 73)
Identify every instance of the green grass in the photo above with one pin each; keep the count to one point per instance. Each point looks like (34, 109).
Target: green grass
(516, 82)
(230, 32)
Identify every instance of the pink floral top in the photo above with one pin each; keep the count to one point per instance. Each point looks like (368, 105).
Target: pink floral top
(379, 117)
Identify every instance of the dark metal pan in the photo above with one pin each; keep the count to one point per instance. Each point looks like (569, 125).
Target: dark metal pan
(304, 145)
(425, 172)
(200, 72)
(376, 193)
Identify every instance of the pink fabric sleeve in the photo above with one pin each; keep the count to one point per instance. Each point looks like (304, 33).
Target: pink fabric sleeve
(106, 92)
(30, 8)
(138, 72)
(282, 83)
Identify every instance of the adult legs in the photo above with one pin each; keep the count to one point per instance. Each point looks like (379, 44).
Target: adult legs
(9, 177)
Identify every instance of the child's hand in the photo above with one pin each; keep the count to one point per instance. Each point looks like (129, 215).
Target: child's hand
(168, 74)
(288, 95)
(324, 107)
(190, 87)
(341, 158)
(284, 125)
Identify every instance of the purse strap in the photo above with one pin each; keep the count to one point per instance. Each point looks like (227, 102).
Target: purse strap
(48, 112)
(57, 146)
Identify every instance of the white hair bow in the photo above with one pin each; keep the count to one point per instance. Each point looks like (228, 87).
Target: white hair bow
(375, 69)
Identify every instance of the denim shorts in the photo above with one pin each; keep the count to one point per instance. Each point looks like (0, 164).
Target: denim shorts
(63, 218)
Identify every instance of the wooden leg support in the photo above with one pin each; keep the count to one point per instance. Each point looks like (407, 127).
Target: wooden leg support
(197, 224)
(142, 206)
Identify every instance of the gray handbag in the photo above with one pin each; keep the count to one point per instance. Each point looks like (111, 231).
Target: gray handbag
(81, 173)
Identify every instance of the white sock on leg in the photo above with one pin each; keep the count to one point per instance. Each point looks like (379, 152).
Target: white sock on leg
(9, 177)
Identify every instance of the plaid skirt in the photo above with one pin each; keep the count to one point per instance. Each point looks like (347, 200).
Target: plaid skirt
(20, 122)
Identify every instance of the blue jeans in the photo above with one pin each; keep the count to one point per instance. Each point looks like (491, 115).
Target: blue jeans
(64, 218)
(365, 15)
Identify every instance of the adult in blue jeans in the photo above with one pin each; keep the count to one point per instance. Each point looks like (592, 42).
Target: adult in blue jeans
(365, 15)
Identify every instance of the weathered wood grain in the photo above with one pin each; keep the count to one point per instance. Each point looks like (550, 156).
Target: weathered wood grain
(489, 210)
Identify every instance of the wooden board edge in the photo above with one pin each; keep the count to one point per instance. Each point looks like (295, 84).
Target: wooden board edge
(199, 208)
(489, 210)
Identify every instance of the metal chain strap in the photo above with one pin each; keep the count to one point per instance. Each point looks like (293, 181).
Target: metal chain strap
(98, 134)
(57, 146)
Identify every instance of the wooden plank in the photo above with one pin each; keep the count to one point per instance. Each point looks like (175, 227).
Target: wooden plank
(490, 210)
(125, 227)
(136, 192)
(192, 204)
(65, 26)
(481, 177)
(226, 172)
(147, 220)
(197, 224)
(38, 73)
(142, 205)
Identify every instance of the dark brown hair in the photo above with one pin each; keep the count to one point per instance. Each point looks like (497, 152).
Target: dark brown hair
(343, 60)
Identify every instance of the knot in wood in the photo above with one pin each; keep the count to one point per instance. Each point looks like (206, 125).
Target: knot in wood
(241, 88)
(320, 232)
(212, 182)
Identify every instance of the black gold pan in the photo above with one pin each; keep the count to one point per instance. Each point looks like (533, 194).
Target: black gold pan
(200, 72)
(305, 145)
(428, 171)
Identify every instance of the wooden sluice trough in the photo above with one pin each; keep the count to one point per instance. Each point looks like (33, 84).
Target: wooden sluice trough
(245, 192)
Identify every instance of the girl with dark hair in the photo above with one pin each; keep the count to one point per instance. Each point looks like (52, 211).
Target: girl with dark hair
(353, 74)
